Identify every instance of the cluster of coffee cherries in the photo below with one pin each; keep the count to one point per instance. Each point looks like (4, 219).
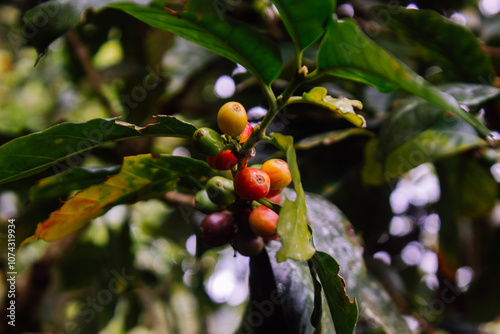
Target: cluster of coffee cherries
(234, 214)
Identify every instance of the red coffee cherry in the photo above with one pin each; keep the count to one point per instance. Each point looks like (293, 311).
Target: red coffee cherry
(232, 118)
(246, 133)
(225, 160)
(217, 229)
(274, 192)
(251, 183)
(278, 172)
(276, 199)
(263, 222)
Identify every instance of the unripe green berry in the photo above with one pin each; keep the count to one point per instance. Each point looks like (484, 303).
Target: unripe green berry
(220, 190)
(203, 202)
(208, 141)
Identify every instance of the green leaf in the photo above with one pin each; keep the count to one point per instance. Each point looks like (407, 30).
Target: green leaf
(283, 294)
(333, 235)
(331, 137)
(292, 223)
(418, 132)
(65, 144)
(76, 178)
(227, 37)
(346, 52)
(50, 20)
(439, 41)
(317, 313)
(344, 312)
(141, 177)
(343, 107)
(471, 95)
(305, 22)
(291, 288)
(60, 16)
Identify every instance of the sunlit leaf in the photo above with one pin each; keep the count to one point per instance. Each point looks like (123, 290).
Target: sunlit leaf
(223, 35)
(305, 23)
(343, 107)
(346, 52)
(292, 223)
(141, 177)
(344, 311)
(66, 144)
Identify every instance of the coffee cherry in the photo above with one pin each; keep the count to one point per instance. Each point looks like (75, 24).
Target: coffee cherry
(263, 221)
(274, 192)
(276, 199)
(278, 172)
(208, 141)
(220, 190)
(225, 160)
(246, 133)
(248, 244)
(203, 202)
(217, 229)
(251, 183)
(232, 118)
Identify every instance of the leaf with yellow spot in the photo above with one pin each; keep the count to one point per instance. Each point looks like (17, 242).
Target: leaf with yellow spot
(343, 107)
(141, 177)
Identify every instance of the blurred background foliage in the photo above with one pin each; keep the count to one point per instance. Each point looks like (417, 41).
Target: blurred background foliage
(430, 235)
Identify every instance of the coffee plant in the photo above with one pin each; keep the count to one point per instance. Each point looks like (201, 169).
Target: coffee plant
(249, 166)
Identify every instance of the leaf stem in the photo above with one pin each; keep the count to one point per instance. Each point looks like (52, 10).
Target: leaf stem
(275, 105)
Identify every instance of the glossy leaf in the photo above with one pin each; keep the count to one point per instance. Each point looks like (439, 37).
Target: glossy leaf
(439, 41)
(471, 95)
(305, 22)
(346, 52)
(283, 294)
(291, 288)
(418, 132)
(66, 144)
(76, 178)
(292, 223)
(344, 311)
(141, 177)
(226, 37)
(342, 107)
(333, 235)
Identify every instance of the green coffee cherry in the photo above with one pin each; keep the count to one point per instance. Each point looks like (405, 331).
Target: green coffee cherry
(220, 190)
(203, 202)
(208, 142)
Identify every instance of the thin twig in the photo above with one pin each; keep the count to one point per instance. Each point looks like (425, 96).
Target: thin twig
(83, 55)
